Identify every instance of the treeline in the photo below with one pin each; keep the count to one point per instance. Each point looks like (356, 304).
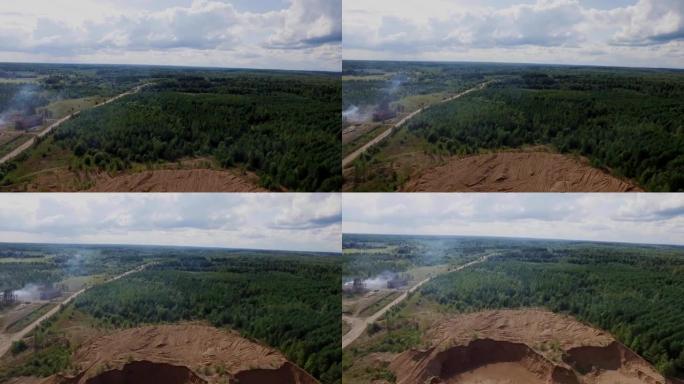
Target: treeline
(290, 303)
(400, 80)
(636, 296)
(374, 254)
(631, 125)
(286, 130)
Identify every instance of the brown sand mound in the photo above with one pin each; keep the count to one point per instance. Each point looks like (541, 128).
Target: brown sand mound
(180, 354)
(521, 346)
(183, 180)
(517, 172)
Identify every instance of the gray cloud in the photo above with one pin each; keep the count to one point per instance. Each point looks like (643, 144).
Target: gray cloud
(648, 33)
(310, 223)
(210, 28)
(325, 213)
(669, 207)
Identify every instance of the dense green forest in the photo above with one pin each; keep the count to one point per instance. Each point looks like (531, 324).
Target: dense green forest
(284, 126)
(633, 292)
(285, 129)
(631, 125)
(288, 302)
(630, 121)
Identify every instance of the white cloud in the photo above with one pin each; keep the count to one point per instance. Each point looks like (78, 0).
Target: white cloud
(646, 218)
(648, 33)
(651, 22)
(304, 35)
(262, 221)
(308, 23)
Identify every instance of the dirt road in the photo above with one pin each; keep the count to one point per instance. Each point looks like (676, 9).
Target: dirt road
(354, 155)
(7, 340)
(20, 149)
(359, 325)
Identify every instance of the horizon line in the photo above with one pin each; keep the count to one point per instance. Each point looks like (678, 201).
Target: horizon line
(170, 246)
(215, 67)
(511, 63)
(520, 238)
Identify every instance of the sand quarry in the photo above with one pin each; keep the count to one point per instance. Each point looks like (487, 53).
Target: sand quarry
(517, 172)
(179, 354)
(521, 347)
(183, 180)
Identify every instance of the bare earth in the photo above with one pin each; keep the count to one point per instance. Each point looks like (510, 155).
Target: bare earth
(180, 354)
(517, 172)
(521, 347)
(182, 180)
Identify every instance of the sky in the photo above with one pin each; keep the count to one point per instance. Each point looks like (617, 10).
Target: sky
(280, 34)
(299, 222)
(633, 218)
(632, 33)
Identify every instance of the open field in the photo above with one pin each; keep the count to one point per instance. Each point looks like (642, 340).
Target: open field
(283, 127)
(386, 298)
(25, 80)
(356, 136)
(573, 112)
(345, 327)
(75, 283)
(10, 140)
(268, 315)
(11, 315)
(556, 311)
(60, 108)
(11, 260)
(24, 321)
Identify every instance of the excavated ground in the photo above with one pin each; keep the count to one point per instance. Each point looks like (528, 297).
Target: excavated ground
(183, 180)
(521, 347)
(517, 172)
(179, 354)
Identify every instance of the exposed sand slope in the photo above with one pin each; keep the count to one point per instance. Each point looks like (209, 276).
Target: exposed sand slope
(180, 354)
(182, 180)
(517, 172)
(521, 346)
